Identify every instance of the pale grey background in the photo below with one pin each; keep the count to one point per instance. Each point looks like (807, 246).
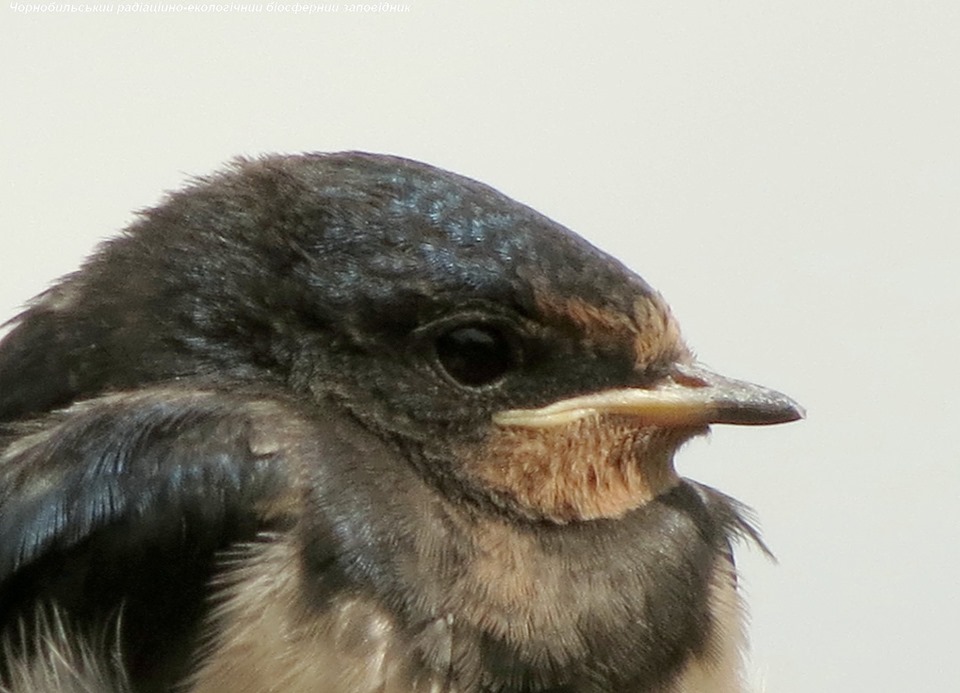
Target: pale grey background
(787, 174)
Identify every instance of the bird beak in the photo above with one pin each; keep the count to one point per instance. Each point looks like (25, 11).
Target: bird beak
(690, 396)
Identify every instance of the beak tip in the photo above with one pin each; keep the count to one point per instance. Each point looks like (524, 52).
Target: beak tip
(760, 407)
(789, 409)
(778, 411)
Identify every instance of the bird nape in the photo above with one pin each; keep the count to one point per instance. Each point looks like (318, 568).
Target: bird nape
(348, 423)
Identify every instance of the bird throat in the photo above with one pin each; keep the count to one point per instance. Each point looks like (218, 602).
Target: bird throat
(600, 467)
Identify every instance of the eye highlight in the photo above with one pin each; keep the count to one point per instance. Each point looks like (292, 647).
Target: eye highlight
(475, 354)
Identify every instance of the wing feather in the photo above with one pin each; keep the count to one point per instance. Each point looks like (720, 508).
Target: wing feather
(122, 504)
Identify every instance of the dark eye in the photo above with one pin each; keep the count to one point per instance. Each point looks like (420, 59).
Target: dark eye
(475, 354)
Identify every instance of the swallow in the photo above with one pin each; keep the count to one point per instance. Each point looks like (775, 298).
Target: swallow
(349, 423)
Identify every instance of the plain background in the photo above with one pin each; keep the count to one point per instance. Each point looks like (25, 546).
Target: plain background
(787, 174)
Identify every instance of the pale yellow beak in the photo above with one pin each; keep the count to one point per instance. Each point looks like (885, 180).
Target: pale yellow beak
(690, 396)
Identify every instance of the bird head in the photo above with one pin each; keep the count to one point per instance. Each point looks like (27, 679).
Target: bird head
(515, 365)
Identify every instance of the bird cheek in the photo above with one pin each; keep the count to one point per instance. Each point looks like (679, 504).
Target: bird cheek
(600, 467)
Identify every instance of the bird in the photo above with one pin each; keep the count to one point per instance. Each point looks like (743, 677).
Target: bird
(351, 423)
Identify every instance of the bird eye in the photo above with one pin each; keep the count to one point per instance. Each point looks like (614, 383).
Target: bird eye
(475, 354)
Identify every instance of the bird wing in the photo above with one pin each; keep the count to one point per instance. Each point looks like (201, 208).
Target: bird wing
(157, 460)
(121, 505)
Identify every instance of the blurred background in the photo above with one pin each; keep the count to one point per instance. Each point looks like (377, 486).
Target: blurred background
(787, 174)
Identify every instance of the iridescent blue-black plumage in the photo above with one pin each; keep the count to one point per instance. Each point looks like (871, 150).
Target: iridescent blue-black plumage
(227, 275)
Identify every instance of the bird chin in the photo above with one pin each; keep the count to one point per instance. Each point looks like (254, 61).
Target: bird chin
(599, 467)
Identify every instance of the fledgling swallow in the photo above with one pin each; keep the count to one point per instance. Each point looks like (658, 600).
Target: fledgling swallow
(348, 423)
